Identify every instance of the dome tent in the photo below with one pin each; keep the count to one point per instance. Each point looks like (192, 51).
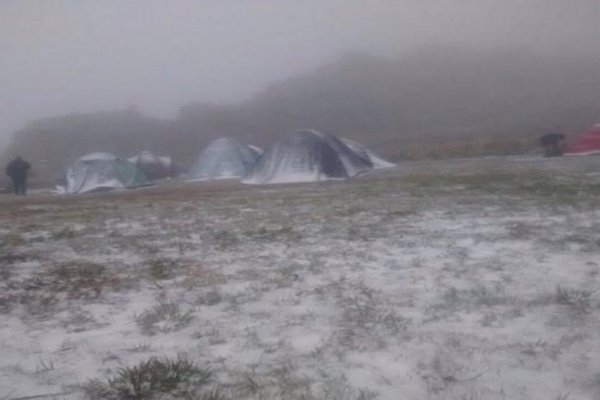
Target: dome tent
(586, 144)
(224, 158)
(154, 167)
(365, 152)
(103, 171)
(308, 156)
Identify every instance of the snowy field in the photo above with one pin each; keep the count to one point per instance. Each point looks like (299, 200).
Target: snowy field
(467, 279)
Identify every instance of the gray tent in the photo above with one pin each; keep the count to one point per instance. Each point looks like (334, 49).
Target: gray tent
(224, 158)
(306, 156)
(103, 171)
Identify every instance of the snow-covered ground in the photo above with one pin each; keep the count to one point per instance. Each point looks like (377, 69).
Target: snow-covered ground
(466, 279)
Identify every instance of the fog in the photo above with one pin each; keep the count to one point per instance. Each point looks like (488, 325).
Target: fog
(65, 56)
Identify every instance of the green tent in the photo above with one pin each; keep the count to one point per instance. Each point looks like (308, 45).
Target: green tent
(103, 171)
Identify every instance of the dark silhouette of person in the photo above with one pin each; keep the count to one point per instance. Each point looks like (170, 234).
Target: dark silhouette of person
(17, 170)
(553, 144)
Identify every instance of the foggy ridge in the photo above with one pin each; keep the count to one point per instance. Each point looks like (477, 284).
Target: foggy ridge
(445, 93)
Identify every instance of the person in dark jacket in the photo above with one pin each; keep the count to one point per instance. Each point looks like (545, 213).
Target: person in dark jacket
(17, 170)
(553, 144)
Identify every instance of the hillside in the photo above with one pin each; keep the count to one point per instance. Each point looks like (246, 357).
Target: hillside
(443, 280)
(429, 103)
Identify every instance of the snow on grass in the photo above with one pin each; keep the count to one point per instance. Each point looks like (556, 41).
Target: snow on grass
(461, 281)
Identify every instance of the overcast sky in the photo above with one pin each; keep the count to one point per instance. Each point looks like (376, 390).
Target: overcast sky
(63, 56)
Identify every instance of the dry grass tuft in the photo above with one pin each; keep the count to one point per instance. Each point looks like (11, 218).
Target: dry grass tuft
(163, 317)
(155, 379)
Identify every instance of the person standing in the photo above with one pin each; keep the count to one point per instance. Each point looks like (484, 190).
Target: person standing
(553, 144)
(17, 170)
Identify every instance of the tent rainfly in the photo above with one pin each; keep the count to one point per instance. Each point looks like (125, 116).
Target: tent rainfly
(365, 152)
(586, 144)
(307, 156)
(103, 171)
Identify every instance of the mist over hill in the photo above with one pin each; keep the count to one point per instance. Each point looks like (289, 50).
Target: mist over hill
(432, 96)
(448, 93)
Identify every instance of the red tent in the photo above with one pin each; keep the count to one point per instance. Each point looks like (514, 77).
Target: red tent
(585, 144)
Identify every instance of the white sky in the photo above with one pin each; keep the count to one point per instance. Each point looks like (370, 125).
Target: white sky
(62, 56)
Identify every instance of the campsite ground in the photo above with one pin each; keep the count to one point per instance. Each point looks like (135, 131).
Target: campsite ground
(466, 279)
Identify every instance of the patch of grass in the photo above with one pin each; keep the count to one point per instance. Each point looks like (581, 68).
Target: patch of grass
(542, 348)
(79, 321)
(483, 145)
(44, 366)
(9, 258)
(529, 184)
(163, 317)
(196, 275)
(224, 239)
(79, 279)
(64, 233)
(364, 232)
(162, 268)
(43, 293)
(401, 213)
(284, 233)
(453, 300)
(5, 272)
(155, 379)
(522, 231)
(579, 300)
(140, 348)
(366, 318)
(284, 381)
(34, 303)
(452, 371)
(368, 315)
(210, 298)
(12, 240)
(469, 181)
(351, 211)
